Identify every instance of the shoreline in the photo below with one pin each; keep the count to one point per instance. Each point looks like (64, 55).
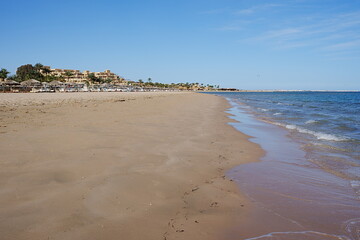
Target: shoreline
(286, 180)
(140, 166)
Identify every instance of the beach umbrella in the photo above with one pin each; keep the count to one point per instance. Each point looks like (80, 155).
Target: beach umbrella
(55, 83)
(11, 82)
(31, 82)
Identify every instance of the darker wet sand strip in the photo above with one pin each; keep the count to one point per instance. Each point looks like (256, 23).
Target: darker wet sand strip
(120, 166)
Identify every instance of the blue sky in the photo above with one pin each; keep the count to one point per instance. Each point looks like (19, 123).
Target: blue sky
(247, 44)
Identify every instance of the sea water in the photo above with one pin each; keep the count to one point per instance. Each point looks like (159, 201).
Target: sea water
(309, 178)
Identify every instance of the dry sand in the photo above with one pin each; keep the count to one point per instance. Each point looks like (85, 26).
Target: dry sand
(120, 166)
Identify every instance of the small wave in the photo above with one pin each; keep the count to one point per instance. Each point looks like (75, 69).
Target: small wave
(352, 228)
(291, 127)
(263, 109)
(355, 185)
(311, 122)
(345, 127)
(299, 235)
(313, 106)
(275, 114)
(318, 135)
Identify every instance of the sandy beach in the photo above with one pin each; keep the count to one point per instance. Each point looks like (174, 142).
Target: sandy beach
(120, 166)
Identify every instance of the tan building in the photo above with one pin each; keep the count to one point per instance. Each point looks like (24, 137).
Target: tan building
(107, 75)
(75, 76)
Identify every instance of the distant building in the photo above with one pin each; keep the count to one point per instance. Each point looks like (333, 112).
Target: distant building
(75, 76)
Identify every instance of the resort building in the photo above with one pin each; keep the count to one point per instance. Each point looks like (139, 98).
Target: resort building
(75, 76)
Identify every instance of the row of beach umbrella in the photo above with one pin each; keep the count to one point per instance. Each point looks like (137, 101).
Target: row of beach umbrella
(30, 82)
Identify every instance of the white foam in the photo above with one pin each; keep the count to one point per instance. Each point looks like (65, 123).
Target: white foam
(322, 136)
(355, 185)
(352, 227)
(277, 114)
(311, 122)
(318, 135)
(292, 127)
(297, 235)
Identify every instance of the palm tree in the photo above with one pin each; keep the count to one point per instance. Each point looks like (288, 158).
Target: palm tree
(149, 82)
(3, 73)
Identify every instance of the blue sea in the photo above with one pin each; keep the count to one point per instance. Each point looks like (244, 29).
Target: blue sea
(309, 177)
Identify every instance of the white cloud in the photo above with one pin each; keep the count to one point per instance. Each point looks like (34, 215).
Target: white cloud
(229, 28)
(326, 33)
(235, 26)
(297, 24)
(257, 8)
(343, 45)
(215, 11)
(282, 33)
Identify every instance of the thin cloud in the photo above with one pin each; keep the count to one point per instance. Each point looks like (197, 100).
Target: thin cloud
(290, 45)
(329, 33)
(342, 55)
(215, 11)
(282, 33)
(235, 26)
(343, 45)
(297, 24)
(228, 28)
(245, 11)
(257, 8)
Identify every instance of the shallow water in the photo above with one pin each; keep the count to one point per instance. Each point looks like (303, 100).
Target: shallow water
(327, 125)
(309, 176)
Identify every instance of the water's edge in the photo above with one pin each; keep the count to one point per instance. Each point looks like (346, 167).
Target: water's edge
(311, 204)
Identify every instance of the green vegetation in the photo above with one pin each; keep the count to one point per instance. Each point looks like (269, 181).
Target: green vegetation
(182, 86)
(38, 72)
(94, 79)
(28, 71)
(43, 73)
(3, 73)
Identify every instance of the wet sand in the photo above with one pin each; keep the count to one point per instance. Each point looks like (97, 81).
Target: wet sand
(295, 199)
(120, 166)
